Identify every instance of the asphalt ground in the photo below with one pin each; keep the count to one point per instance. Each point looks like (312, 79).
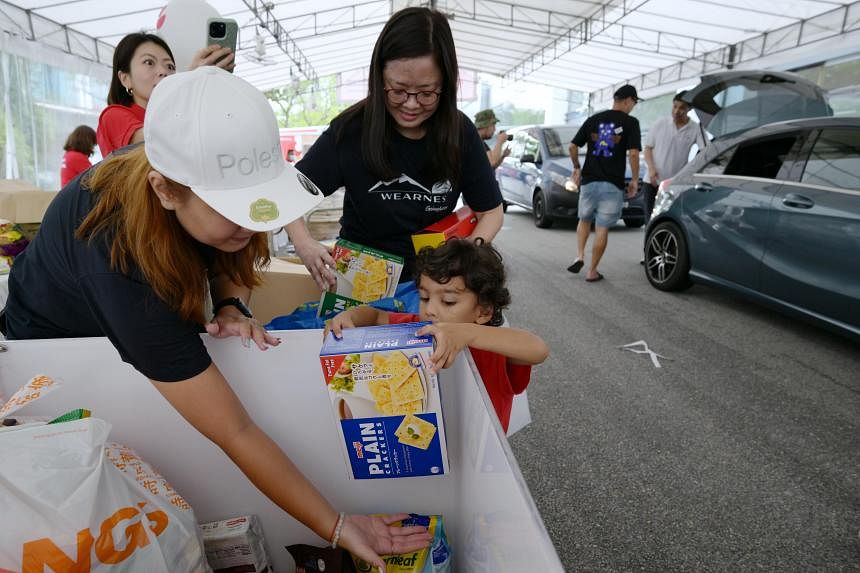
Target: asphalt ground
(741, 453)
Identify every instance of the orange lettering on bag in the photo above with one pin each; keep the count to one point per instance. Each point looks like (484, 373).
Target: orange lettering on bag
(157, 521)
(42, 553)
(134, 533)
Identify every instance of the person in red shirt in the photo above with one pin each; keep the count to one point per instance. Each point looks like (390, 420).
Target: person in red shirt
(140, 61)
(462, 289)
(79, 146)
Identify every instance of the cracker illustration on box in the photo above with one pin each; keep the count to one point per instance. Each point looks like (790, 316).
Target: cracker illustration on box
(415, 432)
(365, 274)
(386, 401)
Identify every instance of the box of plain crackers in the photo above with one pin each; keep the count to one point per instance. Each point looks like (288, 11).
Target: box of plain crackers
(386, 401)
(363, 273)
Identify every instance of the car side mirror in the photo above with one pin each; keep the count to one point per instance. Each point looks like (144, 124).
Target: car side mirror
(527, 158)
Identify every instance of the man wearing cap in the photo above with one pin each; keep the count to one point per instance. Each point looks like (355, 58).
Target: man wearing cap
(612, 137)
(667, 147)
(486, 121)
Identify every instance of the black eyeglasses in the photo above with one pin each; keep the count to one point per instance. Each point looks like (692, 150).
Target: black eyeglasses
(397, 96)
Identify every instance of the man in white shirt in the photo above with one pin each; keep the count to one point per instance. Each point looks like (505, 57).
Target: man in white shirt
(667, 147)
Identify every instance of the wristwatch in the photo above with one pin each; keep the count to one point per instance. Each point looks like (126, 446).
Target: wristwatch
(232, 301)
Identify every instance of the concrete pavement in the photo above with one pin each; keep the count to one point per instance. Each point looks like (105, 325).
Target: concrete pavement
(741, 453)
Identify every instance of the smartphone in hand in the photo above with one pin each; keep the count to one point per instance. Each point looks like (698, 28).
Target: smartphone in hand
(222, 31)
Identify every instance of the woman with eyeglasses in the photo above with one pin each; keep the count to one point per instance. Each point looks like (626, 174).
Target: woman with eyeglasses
(404, 154)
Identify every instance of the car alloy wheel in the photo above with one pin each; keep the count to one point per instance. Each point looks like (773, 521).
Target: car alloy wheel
(667, 263)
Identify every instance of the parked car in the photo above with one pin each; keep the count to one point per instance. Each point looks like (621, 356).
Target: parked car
(536, 176)
(770, 212)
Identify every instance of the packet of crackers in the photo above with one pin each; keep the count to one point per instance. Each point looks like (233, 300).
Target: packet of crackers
(363, 273)
(386, 401)
(436, 558)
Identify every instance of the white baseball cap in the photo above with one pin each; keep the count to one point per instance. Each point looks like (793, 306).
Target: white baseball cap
(217, 134)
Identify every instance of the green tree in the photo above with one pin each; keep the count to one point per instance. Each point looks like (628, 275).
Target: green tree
(305, 103)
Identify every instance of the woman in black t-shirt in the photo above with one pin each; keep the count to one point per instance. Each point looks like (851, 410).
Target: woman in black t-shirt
(127, 251)
(405, 153)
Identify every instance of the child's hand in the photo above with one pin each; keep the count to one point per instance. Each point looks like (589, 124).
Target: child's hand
(338, 323)
(451, 338)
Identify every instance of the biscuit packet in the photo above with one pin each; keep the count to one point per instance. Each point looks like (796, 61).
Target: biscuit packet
(386, 401)
(365, 274)
(433, 559)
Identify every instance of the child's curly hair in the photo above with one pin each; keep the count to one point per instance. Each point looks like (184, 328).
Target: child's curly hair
(477, 262)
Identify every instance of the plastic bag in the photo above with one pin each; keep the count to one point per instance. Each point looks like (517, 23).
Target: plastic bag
(405, 299)
(72, 504)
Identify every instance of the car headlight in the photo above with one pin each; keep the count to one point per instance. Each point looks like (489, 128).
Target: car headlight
(666, 195)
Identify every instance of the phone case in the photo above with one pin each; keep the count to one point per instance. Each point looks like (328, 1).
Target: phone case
(230, 38)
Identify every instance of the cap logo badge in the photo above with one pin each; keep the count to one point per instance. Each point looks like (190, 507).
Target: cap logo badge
(263, 211)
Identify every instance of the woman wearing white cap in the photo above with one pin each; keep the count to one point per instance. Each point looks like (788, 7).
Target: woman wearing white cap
(126, 252)
(405, 154)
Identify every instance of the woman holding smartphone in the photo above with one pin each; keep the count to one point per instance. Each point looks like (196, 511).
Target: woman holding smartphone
(140, 62)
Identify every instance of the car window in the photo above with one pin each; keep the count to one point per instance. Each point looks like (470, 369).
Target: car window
(718, 165)
(531, 146)
(517, 144)
(762, 157)
(835, 160)
(558, 139)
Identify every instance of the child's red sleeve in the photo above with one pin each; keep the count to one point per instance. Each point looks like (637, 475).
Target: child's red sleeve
(402, 317)
(520, 375)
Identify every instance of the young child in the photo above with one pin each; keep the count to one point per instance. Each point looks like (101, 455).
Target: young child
(462, 288)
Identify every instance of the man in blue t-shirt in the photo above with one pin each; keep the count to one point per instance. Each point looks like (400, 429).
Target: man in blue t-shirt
(612, 136)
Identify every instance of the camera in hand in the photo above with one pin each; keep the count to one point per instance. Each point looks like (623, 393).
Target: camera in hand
(217, 29)
(510, 137)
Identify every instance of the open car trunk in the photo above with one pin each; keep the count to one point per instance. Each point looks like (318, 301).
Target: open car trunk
(728, 103)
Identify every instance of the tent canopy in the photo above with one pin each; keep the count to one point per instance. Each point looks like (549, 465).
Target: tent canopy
(585, 45)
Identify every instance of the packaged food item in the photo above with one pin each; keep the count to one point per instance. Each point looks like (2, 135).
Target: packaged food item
(433, 559)
(363, 273)
(332, 303)
(460, 223)
(78, 414)
(386, 401)
(236, 544)
(310, 559)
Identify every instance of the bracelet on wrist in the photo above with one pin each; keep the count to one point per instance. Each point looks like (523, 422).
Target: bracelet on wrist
(337, 529)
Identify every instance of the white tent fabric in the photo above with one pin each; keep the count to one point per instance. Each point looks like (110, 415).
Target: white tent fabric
(583, 45)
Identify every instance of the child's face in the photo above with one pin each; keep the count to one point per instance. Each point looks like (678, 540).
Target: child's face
(450, 302)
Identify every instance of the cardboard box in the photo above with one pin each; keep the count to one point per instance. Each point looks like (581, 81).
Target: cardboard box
(285, 287)
(235, 545)
(365, 274)
(386, 401)
(21, 202)
(460, 223)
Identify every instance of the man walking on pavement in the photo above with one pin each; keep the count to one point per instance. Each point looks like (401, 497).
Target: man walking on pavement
(485, 121)
(612, 137)
(667, 147)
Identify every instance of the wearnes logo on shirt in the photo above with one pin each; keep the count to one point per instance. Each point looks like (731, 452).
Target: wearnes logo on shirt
(254, 162)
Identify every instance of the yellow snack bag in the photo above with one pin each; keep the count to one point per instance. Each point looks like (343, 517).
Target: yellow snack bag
(433, 559)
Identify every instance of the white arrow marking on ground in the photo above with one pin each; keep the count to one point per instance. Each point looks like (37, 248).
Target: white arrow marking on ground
(645, 350)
